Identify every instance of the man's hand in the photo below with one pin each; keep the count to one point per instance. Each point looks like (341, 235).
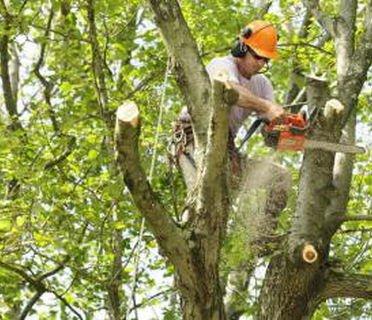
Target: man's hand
(275, 111)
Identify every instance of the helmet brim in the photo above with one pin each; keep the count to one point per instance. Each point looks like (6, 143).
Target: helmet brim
(266, 54)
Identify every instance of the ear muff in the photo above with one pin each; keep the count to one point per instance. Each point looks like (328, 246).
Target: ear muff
(239, 50)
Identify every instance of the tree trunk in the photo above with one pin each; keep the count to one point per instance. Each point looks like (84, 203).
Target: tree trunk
(290, 291)
(207, 307)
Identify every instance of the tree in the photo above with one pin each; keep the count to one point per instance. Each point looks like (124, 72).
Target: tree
(69, 231)
(292, 288)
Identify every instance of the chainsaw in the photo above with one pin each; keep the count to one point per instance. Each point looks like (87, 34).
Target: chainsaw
(289, 133)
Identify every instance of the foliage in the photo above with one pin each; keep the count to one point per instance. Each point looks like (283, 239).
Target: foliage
(75, 212)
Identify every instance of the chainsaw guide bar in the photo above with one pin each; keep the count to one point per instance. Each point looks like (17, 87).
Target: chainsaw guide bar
(289, 133)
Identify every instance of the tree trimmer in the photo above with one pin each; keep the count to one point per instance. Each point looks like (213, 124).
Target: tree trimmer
(289, 133)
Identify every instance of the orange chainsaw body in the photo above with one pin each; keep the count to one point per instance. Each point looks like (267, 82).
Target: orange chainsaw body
(288, 131)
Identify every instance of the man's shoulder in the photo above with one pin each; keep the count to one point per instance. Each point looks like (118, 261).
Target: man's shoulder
(220, 61)
(223, 68)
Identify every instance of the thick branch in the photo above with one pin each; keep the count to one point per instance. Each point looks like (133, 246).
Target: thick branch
(344, 35)
(343, 285)
(316, 180)
(192, 77)
(213, 198)
(166, 232)
(342, 175)
(218, 132)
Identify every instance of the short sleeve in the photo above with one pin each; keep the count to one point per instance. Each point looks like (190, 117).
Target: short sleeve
(223, 69)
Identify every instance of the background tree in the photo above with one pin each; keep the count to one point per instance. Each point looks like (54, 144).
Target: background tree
(71, 240)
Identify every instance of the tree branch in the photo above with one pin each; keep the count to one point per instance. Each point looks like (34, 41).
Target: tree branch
(356, 218)
(315, 182)
(166, 232)
(343, 285)
(342, 175)
(37, 283)
(30, 304)
(22, 274)
(55, 270)
(191, 75)
(47, 84)
(9, 97)
(97, 64)
(212, 197)
(147, 300)
(58, 296)
(296, 73)
(351, 82)
(215, 158)
(15, 65)
(69, 149)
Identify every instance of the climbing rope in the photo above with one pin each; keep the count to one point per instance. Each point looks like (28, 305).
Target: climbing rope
(152, 168)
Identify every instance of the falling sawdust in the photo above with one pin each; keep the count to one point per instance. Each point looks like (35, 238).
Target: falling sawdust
(262, 195)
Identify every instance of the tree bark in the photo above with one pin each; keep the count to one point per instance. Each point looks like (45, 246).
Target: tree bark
(290, 291)
(195, 251)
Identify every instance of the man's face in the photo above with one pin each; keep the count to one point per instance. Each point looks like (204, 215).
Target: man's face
(251, 64)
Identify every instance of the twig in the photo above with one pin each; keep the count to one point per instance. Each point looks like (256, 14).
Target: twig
(22, 6)
(58, 296)
(356, 218)
(305, 44)
(356, 230)
(63, 156)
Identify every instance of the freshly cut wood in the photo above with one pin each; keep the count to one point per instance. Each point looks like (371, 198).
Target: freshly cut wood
(128, 112)
(309, 253)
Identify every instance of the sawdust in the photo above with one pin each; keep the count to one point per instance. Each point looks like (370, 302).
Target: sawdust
(262, 196)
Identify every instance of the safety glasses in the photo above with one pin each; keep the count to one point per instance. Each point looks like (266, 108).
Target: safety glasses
(256, 56)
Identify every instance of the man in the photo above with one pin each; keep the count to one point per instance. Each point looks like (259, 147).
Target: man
(261, 185)
(254, 48)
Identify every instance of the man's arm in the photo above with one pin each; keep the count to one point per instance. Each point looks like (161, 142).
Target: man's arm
(248, 100)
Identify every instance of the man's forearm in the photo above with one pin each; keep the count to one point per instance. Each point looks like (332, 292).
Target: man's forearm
(248, 100)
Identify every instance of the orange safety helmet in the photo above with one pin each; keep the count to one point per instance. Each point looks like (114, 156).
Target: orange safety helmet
(261, 37)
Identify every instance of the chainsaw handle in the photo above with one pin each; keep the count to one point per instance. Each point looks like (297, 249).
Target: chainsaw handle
(252, 129)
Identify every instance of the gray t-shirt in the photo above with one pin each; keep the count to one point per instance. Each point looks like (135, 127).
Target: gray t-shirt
(258, 84)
